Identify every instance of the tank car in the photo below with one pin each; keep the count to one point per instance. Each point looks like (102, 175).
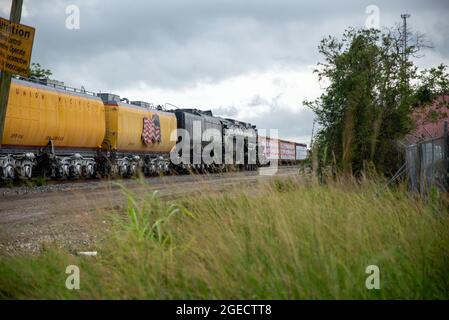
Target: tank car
(52, 129)
(137, 137)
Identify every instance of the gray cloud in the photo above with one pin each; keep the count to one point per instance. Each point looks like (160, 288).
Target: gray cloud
(226, 112)
(177, 44)
(291, 124)
(257, 100)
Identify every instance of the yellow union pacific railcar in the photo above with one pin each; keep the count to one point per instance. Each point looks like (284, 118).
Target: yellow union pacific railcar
(63, 132)
(137, 135)
(69, 123)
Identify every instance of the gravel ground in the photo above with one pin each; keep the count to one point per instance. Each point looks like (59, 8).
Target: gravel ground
(72, 215)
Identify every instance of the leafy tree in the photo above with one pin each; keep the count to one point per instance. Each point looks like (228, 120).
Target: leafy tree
(433, 83)
(431, 96)
(370, 94)
(37, 71)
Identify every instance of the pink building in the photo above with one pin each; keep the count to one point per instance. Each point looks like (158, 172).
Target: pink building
(429, 121)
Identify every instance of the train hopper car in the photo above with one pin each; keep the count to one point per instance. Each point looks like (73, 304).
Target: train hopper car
(301, 152)
(138, 137)
(50, 128)
(287, 152)
(281, 151)
(269, 149)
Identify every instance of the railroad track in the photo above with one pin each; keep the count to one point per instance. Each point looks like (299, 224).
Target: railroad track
(31, 186)
(35, 182)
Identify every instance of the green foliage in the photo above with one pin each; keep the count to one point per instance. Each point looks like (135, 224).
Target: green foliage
(37, 71)
(435, 201)
(366, 107)
(284, 185)
(434, 82)
(430, 91)
(41, 181)
(281, 240)
(149, 217)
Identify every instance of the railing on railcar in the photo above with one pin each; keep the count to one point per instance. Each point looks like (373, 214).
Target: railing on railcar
(57, 85)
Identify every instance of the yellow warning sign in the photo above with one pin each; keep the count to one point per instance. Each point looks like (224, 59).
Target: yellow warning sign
(16, 44)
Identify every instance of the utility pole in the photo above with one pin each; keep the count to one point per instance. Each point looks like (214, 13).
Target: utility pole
(5, 78)
(311, 137)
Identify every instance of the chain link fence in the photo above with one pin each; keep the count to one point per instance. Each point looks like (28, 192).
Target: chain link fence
(427, 164)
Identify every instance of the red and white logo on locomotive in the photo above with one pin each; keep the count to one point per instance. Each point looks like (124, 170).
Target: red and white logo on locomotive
(151, 132)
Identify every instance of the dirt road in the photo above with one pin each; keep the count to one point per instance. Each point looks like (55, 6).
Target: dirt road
(71, 214)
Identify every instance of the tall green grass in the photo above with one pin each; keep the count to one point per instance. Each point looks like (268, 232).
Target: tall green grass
(278, 240)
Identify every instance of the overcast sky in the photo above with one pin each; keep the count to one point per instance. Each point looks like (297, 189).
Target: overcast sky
(251, 60)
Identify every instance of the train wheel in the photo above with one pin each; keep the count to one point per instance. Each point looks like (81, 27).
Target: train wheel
(27, 171)
(8, 172)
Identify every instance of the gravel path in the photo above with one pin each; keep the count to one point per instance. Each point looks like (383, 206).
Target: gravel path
(73, 214)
